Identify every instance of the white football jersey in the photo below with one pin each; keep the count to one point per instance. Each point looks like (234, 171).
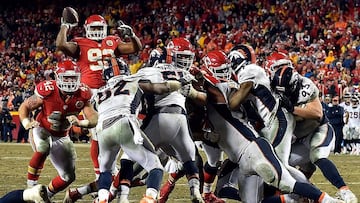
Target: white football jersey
(354, 117)
(122, 94)
(168, 72)
(261, 94)
(308, 91)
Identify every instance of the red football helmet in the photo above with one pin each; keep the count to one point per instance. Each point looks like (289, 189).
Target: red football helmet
(217, 63)
(276, 60)
(95, 27)
(180, 53)
(67, 75)
(240, 56)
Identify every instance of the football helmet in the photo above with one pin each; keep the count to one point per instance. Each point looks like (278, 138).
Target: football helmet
(354, 101)
(286, 82)
(67, 76)
(240, 56)
(95, 27)
(180, 53)
(217, 63)
(156, 56)
(275, 60)
(116, 66)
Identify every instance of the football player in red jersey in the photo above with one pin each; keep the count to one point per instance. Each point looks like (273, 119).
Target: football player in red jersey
(59, 102)
(92, 53)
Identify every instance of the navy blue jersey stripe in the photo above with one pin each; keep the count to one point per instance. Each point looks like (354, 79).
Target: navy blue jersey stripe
(265, 96)
(224, 111)
(269, 154)
(282, 127)
(136, 101)
(329, 136)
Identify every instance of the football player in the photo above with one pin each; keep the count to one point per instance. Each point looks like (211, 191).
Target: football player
(352, 125)
(59, 102)
(314, 135)
(238, 139)
(118, 104)
(92, 53)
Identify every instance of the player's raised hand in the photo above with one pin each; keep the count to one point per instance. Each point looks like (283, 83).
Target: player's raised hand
(125, 30)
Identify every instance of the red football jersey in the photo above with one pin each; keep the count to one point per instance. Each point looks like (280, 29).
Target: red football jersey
(91, 59)
(55, 108)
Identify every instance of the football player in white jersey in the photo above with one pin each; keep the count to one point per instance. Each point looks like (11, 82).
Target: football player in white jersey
(166, 120)
(352, 125)
(118, 104)
(346, 104)
(241, 143)
(254, 85)
(314, 135)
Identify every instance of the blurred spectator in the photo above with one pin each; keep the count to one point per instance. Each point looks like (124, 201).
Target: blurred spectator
(335, 114)
(7, 125)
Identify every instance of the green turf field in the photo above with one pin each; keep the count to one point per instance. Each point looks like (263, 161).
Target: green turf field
(14, 159)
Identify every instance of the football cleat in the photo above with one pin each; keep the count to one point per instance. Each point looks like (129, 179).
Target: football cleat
(327, 199)
(165, 191)
(347, 196)
(196, 197)
(72, 195)
(147, 199)
(211, 198)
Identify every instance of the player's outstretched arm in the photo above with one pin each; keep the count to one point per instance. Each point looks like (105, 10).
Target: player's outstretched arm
(26, 107)
(312, 110)
(69, 48)
(239, 96)
(131, 47)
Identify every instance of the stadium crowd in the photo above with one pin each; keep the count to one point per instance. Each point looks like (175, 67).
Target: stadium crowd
(322, 38)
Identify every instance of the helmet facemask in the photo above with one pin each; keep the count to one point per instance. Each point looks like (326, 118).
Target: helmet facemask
(96, 30)
(183, 59)
(68, 81)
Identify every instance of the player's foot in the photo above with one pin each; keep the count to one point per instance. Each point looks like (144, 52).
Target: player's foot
(72, 195)
(346, 195)
(37, 194)
(328, 199)
(165, 191)
(211, 198)
(147, 199)
(196, 197)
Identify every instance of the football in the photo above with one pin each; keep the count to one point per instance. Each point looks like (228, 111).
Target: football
(70, 15)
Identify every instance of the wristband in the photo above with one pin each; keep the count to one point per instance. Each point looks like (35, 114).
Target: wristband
(173, 85)
(84, 123)
(25, 122)
(193, 93)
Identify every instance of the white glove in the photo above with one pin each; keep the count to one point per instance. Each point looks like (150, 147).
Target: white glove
(125, 30)
(73, 120)
(29, 124)
(186, 77)
(188, 91)
(69, 25)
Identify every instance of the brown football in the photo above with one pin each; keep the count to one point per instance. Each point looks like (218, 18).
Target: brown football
(70, 15)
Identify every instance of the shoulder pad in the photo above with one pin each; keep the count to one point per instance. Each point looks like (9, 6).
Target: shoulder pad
(85, 91)
(46, 88)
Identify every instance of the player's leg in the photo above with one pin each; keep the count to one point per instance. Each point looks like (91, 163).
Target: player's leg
(40, 141)
(321, 144)
(260, 158)
(62, 156)
(36, 194)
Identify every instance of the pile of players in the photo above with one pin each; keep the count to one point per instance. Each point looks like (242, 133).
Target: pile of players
(267, 120)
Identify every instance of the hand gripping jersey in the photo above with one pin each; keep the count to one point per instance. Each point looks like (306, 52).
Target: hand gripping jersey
(92, 56)
(122, 94)
(53, 114)
(261, 94)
